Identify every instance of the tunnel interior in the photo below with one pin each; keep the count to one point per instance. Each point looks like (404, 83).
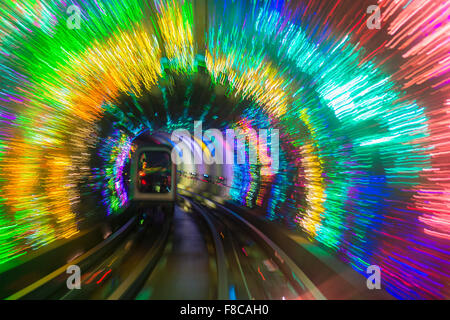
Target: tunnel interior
(356, 153)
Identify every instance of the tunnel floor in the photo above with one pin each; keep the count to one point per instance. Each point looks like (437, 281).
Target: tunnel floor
(183, 271)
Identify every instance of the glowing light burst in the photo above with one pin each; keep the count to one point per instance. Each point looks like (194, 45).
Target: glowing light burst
(364, 116)
(115, 152)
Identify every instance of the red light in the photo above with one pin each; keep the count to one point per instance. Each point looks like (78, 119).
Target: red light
(101, 279)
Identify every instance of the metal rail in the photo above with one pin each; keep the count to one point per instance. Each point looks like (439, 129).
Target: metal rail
(42, 287)
(296, 271)
(134, 282)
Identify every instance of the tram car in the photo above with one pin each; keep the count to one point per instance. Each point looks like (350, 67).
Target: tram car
(153, 177)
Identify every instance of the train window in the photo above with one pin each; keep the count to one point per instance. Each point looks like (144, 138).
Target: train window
(154, 171)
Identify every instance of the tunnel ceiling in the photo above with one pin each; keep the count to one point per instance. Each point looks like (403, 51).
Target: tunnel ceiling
(363, 118)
